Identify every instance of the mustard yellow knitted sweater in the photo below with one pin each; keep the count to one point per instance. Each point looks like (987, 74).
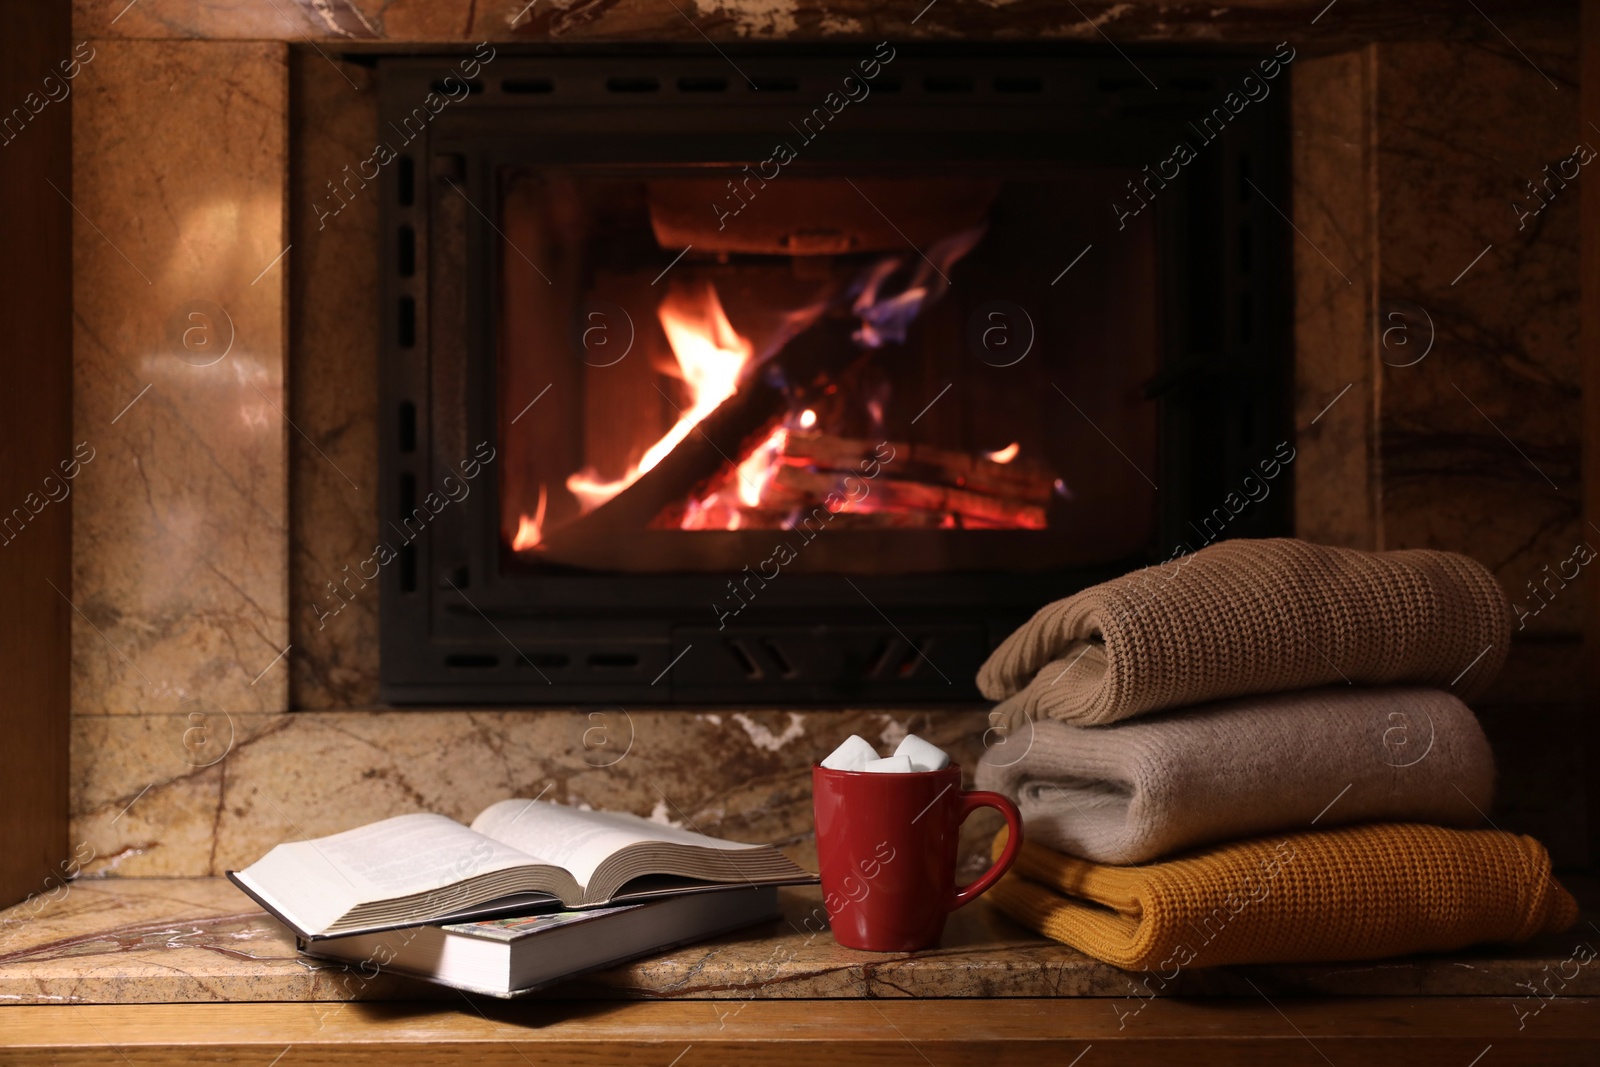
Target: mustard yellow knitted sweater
(1360, 892)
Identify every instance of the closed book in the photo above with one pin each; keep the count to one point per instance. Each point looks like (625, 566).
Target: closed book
(507, 957)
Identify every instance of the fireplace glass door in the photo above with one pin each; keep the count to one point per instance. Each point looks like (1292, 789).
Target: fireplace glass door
(804, 377)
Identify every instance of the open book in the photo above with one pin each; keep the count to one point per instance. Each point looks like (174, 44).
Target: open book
(518, 854)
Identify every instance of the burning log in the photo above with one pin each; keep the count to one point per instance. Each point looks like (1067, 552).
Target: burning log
(974, 491)
(803, 489)
(889, 520)
(1023, 478)
(737, 425)
(722, 439)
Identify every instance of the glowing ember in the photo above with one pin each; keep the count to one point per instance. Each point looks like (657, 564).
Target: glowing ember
(1006, 454)
(710, 355)
(530, 529)
(808, 419)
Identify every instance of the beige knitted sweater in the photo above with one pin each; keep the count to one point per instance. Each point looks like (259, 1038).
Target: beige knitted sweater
(1135, 791)
(1245, 617)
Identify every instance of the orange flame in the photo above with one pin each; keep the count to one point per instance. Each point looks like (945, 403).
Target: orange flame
(1006, 454)
(710, 355)
(757, 469)
(530, 529)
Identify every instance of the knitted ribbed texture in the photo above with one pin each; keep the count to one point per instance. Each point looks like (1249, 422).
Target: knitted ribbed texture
(1246, 617)
(1362, 892)
(1133, 791)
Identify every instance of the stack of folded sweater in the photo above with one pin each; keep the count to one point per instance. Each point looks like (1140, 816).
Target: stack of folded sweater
(1296, 701)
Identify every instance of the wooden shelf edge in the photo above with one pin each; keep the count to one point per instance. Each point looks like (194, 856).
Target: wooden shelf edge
(1368, 1031)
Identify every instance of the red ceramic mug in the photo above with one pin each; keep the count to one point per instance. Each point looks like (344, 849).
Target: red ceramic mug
(886, 844)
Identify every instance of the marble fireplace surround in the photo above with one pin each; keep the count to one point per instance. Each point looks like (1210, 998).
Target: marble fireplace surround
(212, 717)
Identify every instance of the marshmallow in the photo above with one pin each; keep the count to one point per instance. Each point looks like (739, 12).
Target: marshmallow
(923, 756)
(890, 765)
(853, 755)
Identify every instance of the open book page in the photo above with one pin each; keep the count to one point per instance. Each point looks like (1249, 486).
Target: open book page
(415, 853)
(328, 876)
(579, 840)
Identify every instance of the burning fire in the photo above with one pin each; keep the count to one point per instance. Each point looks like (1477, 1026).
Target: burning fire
(530, 530)
(802, 461)
(710, 355)
(756, 470)
(722, 508)
(1006, 454)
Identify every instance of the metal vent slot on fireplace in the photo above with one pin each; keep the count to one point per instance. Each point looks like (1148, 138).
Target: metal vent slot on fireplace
(872, 663)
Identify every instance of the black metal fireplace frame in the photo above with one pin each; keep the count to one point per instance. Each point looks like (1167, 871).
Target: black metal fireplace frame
(458, 628)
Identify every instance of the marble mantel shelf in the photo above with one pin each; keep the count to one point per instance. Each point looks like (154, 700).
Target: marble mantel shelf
(189, 940)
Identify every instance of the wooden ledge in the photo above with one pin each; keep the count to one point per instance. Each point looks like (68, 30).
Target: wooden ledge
(190, 940)
(1367, 1032)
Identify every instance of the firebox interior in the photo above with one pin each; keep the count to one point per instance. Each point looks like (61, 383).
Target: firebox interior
(771, 376)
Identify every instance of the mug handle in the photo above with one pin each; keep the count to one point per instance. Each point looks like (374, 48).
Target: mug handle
(971, 802)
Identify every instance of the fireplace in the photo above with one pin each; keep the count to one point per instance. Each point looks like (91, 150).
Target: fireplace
(805, 377)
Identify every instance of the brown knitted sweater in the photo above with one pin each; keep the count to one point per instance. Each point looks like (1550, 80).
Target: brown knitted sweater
(1244, 617)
